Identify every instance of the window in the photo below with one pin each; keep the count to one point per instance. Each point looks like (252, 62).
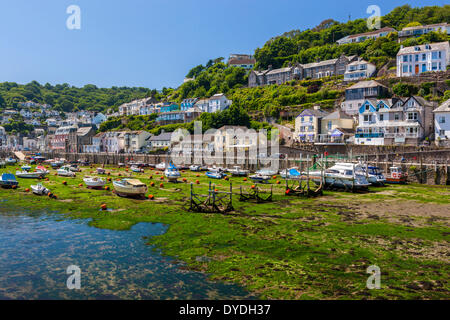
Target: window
(396, 117)
(412, 116)
(424, 56)
(434, 66)
(405, 69)
(442, 119)
(329, 125)
(434, 55)
(381, 117)
(405, 58)
(417, 57)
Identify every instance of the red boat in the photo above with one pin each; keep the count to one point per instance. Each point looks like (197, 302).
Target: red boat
(397, 176)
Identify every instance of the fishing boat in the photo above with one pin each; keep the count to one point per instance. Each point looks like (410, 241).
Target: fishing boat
(396, 176)
(8, 180)
(101, 171)
(30, 175)
(10, 160)
(215, 174)
(172, 173)
(291, 173)
(160, 166)
(342, 175)
(238, 172)
(130, 188)
(39, 190)
(74, 168)
(260, 178)
(65, 172)
(94, 182)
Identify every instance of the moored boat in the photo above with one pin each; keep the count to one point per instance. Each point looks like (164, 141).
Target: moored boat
(291, 173)
(195, 168)
(238, 172)
(8, 180)
(341, 175)
(11, 160)
(30, 175)
(215, 174)
(260, 178)
(94, 182)
(101, 171)
(396, 176)
(130, 188)
(39, 190)
(267, 172)
(172, 173)
(136, 169)
(26, 167)
(65, 172)
(160, 166)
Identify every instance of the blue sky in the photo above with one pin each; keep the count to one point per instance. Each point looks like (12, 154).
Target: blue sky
(149, 43)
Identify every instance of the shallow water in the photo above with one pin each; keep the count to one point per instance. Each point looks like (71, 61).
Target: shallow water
(37, 247)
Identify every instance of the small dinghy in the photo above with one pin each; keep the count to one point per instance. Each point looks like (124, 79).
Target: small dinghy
(215, 174)
(26, 167)
(40, 190)
(130, 188)
(172, 173)
(101, 171)
(292, 173)
(267, 172)
(65, 172)
(94, 182)
(42, 169)
(30, 175)
(8, 180)
(260, 178)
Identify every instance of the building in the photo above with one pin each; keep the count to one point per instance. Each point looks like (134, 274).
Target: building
(179, 116)
(245, 61)
(98, 119)
(113, 142)
(335, 127)
(308, 124)
(163, 140)
(394, 121)
(188, 103)
(134, 141)
(235, 138)
(361, 37)
(3, 138)
(358, 93)
(358, 70)
(134, 107)
(314, 70)
(84, 137)
(415, 60)
(417, 31)
(218, 102)
(64, 139)
(97, 144)
(442, 124)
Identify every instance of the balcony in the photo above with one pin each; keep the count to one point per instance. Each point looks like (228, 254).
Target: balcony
(370, 135)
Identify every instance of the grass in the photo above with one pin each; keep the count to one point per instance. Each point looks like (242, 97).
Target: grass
(292, 248)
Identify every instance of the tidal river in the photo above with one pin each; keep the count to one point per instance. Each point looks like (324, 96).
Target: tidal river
(36, 248)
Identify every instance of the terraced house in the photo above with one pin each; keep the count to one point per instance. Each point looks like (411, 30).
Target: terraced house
(308, 124)
(395, 121)
(414, 60)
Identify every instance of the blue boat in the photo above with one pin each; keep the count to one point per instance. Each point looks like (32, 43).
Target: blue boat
(8, 180)
(215, 174)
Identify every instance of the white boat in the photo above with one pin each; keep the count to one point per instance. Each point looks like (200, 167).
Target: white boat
(74, 168)
(161, 166)
(342, 175)
(215, 174)
(26, 167)
(238, 172)
(136, 169)
(130, 188)
(10, 160)
(43, 170)
(30, 175)
(94, 182)
(195, 168)
(373, 174)
(65, 172)
(216, 169)
(40, 190)
(172, 173)
(101, 171)
(260, 178)
(267, 172)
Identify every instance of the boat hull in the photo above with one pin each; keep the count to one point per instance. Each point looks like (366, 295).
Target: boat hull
(131, 192)
(396, 180)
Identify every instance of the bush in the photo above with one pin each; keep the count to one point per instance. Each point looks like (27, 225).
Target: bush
(405, 89)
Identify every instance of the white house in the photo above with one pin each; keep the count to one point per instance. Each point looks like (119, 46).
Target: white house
(394, 121)
(218, 102)
(414, 60)
(361, 37)
(442, 123)
(417, 31)
(358, 70)
(27, 114)
(98, 119)
(160, 141)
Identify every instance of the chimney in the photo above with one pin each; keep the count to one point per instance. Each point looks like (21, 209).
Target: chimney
(270, 67)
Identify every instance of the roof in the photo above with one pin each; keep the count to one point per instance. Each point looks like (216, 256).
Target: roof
(83, 131)
(345, 130)
(362, 61)
(280, 70)
(338, 114)
(233, 127)
(314, 112)
(422, 101)
(385, 29)
(241, 61)
(366, 84)
(433, 46)
(320, 63)
(165, 136)
(445, 107)
(443, 24)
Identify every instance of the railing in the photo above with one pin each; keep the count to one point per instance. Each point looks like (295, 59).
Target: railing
(370, 135)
